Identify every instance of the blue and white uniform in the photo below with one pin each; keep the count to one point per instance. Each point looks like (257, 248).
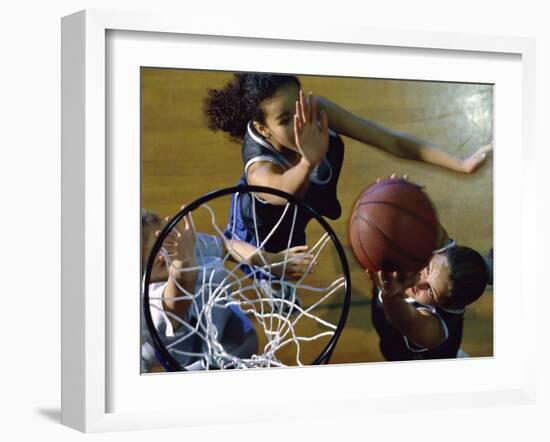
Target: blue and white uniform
(321, 196)
(396, 347)
(208, 253)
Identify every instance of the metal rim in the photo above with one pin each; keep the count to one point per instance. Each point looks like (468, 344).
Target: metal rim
(168, 361)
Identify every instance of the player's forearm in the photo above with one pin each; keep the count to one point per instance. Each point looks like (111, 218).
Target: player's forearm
(399, 313)
(397, 143)
(412, 148)
(294, 181)
(242, 251)
(423, 329)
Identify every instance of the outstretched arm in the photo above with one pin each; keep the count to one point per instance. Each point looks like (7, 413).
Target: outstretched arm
(180, 249)
(397, 143)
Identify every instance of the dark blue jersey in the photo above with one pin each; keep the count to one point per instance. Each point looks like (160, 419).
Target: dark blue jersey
(396, 347)
(253, 219)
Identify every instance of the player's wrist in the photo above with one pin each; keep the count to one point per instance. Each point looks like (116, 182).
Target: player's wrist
(307, 164)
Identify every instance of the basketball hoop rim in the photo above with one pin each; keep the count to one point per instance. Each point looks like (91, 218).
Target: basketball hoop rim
(168, 360)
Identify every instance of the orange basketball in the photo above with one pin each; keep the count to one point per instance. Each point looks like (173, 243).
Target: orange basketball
(393, 227)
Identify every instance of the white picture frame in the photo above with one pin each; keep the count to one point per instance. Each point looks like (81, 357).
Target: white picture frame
(86, 384)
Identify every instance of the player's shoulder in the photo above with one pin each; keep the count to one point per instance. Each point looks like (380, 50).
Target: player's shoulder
(261, 166)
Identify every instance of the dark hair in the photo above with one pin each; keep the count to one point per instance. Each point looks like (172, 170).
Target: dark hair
(149, 219)
(230, 109)
(468, 275)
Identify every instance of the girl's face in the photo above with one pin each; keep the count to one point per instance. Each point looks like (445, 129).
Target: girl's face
(433, 285)
(279, 113)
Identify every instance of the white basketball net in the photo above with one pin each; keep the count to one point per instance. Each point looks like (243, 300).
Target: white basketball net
(285, 325)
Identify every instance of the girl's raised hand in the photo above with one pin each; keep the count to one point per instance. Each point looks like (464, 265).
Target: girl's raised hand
(311, 140)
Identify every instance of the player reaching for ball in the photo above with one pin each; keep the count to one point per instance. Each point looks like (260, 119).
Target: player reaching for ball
(420, 315)
(292, 143)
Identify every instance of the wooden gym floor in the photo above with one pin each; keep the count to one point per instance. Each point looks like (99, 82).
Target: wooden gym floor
(182, 160)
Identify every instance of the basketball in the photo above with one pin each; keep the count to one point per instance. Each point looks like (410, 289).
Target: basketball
(393, 227)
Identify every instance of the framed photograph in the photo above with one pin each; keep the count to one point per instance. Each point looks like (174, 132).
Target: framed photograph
(151, 155)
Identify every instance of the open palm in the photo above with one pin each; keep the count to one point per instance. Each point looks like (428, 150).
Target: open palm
(311, 140)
